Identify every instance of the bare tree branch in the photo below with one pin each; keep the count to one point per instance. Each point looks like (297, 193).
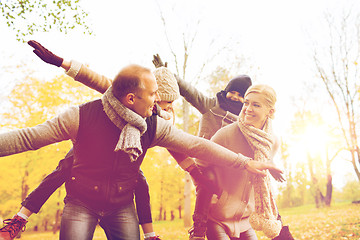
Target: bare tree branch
(341, 76)
(167, 37)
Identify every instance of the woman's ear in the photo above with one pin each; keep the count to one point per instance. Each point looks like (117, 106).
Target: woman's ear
(271, 113)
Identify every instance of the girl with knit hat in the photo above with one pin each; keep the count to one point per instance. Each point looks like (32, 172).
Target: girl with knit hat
(168, 91)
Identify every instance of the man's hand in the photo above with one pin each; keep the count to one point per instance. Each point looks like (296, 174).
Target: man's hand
(277, 175)
(45, 54)
(260, 167)
(158, 62)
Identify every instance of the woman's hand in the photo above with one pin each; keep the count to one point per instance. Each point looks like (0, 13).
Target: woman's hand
(158, 62)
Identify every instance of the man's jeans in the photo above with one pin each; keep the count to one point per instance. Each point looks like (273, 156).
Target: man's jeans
(78, 222)
(217, 232)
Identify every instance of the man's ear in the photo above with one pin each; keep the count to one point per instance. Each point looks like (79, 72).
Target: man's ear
(129, 99)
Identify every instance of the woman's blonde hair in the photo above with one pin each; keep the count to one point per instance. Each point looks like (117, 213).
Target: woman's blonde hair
(268, 93)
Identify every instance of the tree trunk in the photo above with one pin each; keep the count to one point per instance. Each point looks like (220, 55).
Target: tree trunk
(24, 186)
(355, 153)
(187, 187)
(329, 189)
(56, 224)
(46, 221)
(319, 197)
(172, 215)
(161, 200)
(317, 194)
(187, 201)
(180, 205)
(57, 218)
(179, 209)
(160, 213)
(329, 186)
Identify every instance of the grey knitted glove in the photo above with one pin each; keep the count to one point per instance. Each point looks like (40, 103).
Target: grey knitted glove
(45, 54)
(158, 62)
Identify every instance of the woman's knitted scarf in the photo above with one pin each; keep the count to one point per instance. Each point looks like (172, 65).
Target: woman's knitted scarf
(265, 216)
(132, 125)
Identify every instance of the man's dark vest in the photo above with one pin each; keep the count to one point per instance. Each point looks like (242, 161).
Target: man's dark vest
(101, 177)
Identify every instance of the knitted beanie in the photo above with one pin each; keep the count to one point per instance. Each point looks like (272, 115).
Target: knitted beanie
(240, 84)
(168, 87)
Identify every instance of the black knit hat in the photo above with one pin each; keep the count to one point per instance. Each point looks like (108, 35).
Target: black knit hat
(240, 84)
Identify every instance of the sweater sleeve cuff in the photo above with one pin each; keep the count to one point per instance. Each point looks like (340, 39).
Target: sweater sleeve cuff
(241, 161)
(74, 69)
(187, 163)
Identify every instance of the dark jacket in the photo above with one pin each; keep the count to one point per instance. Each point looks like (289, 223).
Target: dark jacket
(100, 176)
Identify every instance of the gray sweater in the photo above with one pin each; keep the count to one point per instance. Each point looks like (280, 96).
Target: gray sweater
(65, 127)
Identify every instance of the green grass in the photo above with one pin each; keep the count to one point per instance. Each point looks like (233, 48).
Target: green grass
(341, 221)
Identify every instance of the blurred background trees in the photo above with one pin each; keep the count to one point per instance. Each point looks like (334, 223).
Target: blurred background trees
(33, 101)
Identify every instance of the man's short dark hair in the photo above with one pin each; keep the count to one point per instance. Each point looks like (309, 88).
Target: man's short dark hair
(128, 80)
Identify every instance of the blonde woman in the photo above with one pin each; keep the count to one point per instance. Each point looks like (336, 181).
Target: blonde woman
(247, 202)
